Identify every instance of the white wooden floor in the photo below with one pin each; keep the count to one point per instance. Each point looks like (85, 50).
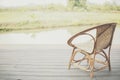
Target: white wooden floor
(48, 62)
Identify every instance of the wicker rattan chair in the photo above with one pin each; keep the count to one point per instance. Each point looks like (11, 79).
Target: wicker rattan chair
(101, 46)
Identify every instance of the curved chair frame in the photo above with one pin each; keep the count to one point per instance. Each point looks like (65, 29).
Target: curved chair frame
(91, 57)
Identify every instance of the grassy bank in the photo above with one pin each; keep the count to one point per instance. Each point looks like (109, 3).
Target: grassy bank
(41, 20)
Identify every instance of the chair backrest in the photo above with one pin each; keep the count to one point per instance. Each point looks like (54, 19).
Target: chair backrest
(104, 36)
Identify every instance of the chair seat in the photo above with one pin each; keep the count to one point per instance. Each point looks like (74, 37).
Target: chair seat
(86, 46)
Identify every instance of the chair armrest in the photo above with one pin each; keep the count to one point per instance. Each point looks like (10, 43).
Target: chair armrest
(79, 34)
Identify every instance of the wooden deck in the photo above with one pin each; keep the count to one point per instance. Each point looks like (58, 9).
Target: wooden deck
(48, 62)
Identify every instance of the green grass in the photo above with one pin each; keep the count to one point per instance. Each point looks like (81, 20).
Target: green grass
(41, 20)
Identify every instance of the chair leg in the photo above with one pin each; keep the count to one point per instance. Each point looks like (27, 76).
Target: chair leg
(92, 68)
(91, 74)
(69, 66)
(109, 65)
(91, 63)
(108, 59)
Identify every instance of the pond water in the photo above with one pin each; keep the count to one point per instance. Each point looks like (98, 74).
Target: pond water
(45, 37)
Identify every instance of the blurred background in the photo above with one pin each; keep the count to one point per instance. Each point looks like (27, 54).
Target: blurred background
(52, 21)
